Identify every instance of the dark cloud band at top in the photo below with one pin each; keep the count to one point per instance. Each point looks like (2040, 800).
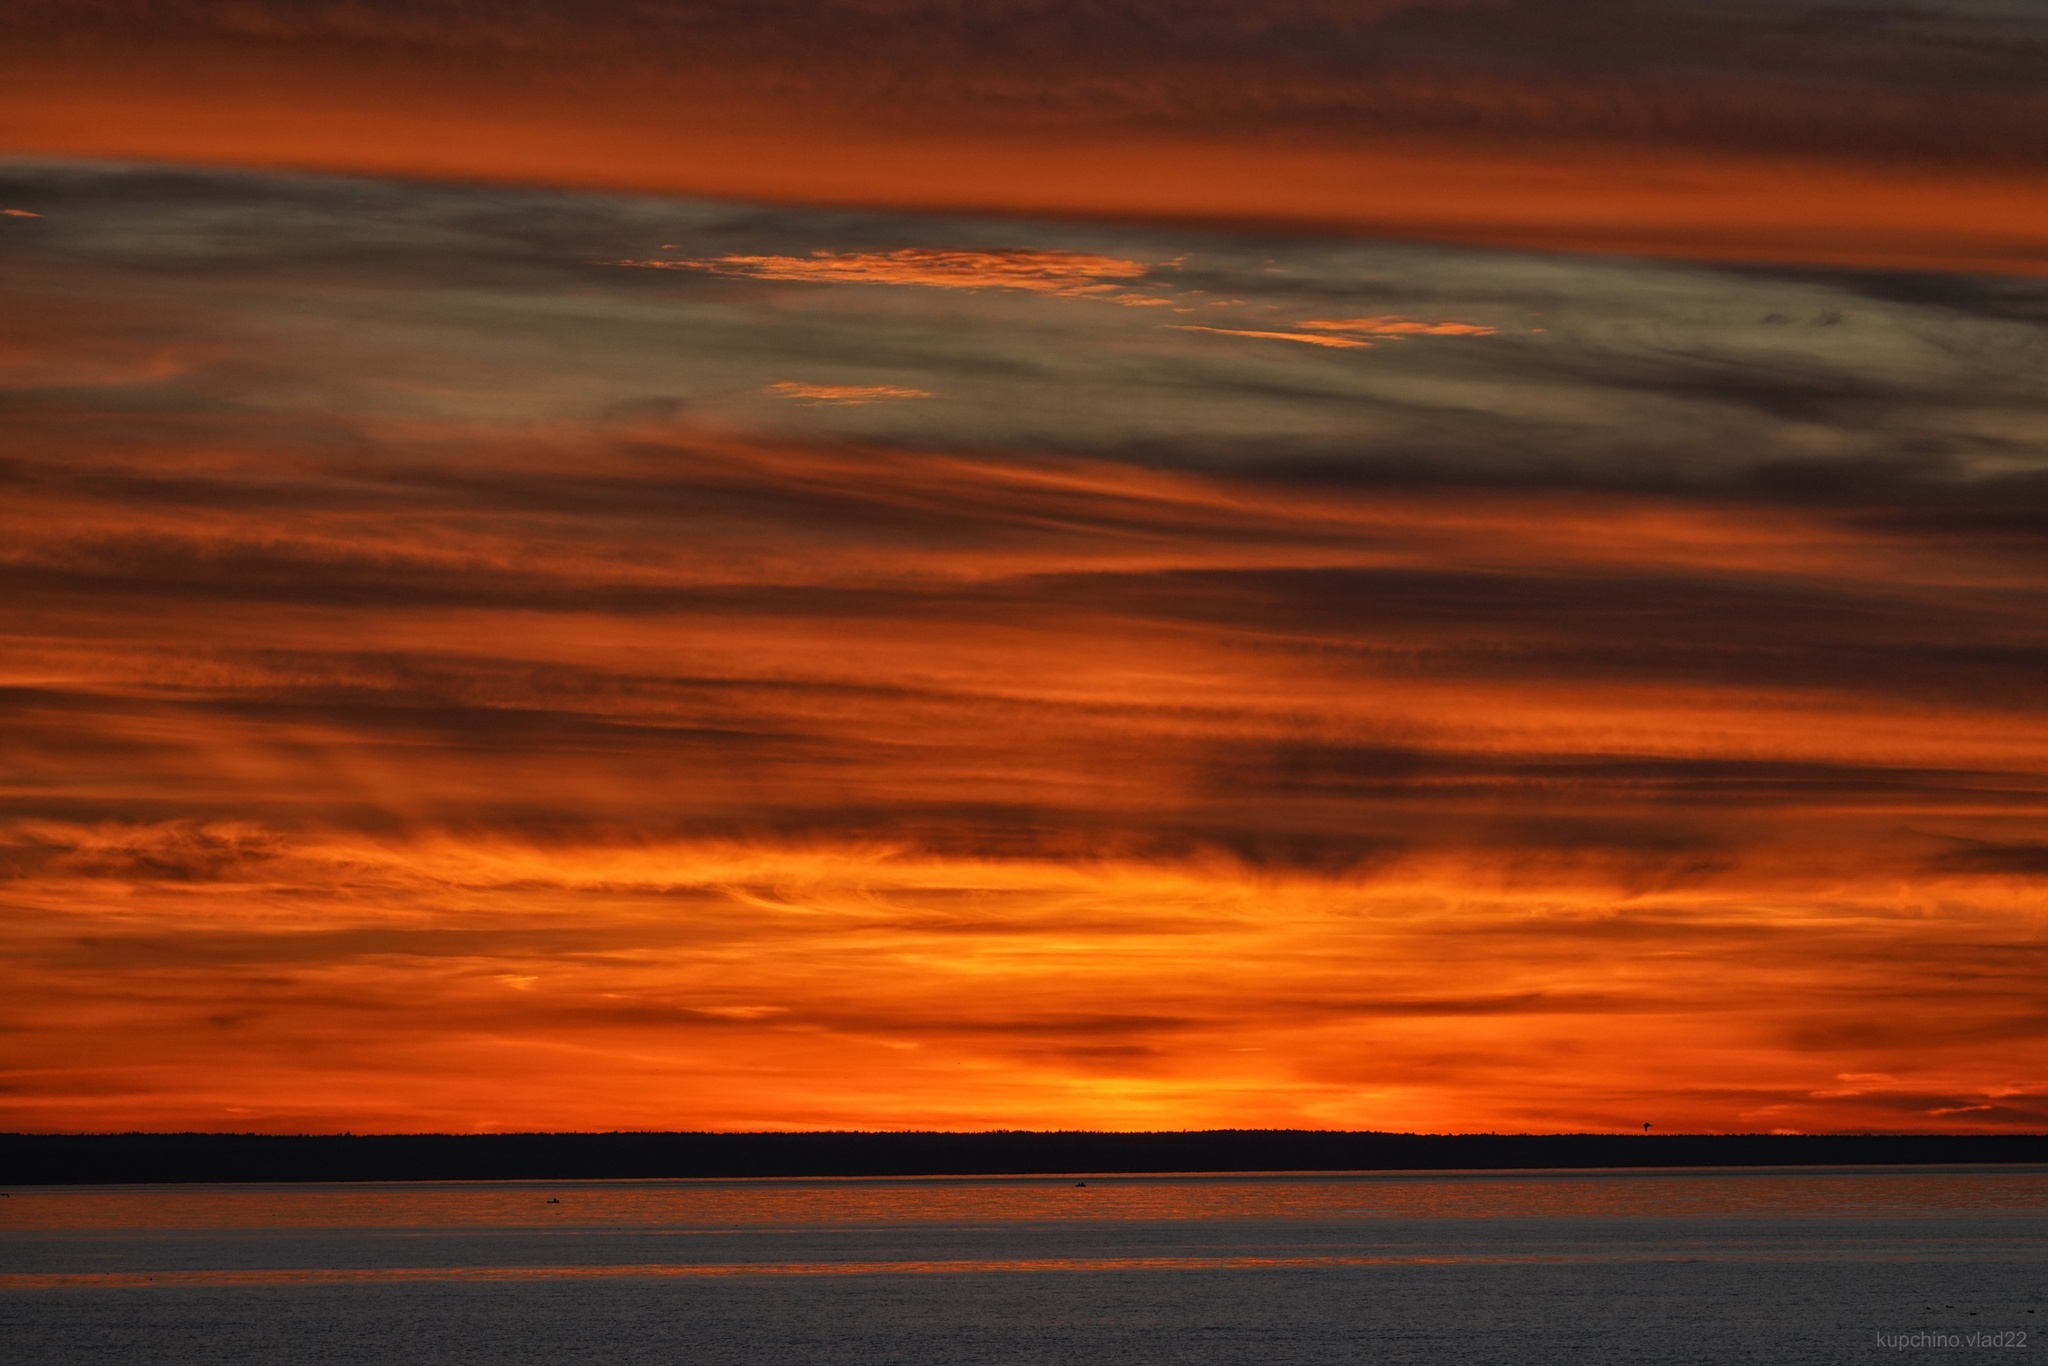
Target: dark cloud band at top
(1847, 133)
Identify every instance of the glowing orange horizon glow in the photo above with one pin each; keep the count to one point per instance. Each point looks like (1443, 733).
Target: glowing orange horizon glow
(727, 653)
(847, 939)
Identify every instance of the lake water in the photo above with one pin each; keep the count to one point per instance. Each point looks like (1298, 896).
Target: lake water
(1710, 1266)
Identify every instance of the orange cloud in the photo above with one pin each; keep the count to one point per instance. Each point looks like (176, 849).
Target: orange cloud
(1398, 327)
(1270, 336)
(843, 393)
(1064, 273)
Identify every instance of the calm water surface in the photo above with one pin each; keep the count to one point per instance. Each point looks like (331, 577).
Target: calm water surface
(1782, 1266)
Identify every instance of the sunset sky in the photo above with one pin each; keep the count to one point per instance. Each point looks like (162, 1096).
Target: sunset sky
(1398, 564)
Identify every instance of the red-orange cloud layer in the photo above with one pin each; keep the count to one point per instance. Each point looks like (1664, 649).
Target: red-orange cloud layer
(661, 781)
(1867, 137)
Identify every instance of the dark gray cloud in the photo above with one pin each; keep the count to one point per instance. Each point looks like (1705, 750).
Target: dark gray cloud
(329, 302)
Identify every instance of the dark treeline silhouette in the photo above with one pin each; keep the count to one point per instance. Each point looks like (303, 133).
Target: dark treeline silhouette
(42, 1159)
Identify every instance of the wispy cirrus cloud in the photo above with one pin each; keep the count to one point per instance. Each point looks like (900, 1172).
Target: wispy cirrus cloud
(1342, 343)
(1065, 274)
(844, 393)
(1398, 327)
